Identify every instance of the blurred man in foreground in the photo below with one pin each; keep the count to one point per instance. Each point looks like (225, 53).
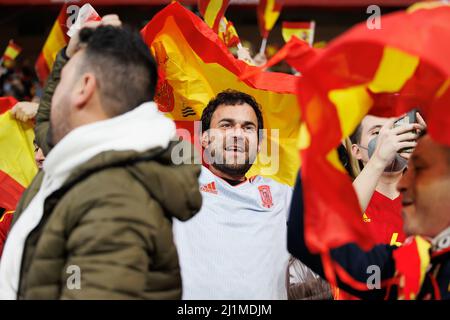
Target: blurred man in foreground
(96, 221)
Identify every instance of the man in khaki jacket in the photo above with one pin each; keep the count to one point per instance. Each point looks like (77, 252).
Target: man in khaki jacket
(96, 221)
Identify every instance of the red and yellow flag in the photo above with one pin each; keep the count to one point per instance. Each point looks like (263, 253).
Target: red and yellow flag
(268, 12)
(302, 30)
(194, 66)
(412, 260)
(11, 52)
(228, 33)
(17, 165)
(56, 40)
(405, 60)
(213, 11)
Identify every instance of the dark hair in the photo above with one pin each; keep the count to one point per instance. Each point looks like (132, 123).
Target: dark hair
(231, 98)
(125, 69)
(355, 137)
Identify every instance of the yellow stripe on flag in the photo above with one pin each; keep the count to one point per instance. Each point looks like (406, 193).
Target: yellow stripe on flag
(352, 104)
(396, 67)
(212, 11)
(423, 248)
(270, 14)
(333, 158)
(55, 42)
(16, 144)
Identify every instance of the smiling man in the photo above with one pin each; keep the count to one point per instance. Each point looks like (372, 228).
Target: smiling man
(235, 248)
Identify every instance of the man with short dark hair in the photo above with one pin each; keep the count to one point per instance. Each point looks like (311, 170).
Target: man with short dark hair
(96, 221)
(235, 247)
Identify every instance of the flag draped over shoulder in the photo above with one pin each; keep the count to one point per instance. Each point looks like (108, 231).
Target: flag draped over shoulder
(194, 66)
(57, 39)
(213, 11)
(406, 63)
(268, 12)
(17, 165)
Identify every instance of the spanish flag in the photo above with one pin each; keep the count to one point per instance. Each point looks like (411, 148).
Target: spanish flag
(268, 12)
(17, 166)
(412, 261)
(228, 33)
(302, 30)
(194, 66)
(56, 40)
(405, 62)
(11, 53)
(213, 12)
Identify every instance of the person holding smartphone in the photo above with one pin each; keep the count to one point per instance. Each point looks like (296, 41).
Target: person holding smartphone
(382, 146)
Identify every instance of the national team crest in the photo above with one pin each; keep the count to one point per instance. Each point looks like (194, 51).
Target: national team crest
(266, 196)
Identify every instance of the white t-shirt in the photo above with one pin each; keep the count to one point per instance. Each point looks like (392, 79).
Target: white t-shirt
(236, 246)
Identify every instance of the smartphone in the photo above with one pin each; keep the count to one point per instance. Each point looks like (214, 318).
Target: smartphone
(409, 118)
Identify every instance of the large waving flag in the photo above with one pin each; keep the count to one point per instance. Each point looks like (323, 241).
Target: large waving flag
(194, 66)
(406, 61)
(213, 11)
(17, 166)
(56, 40)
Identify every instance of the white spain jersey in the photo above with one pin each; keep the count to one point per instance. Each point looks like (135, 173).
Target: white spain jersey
(236, 246)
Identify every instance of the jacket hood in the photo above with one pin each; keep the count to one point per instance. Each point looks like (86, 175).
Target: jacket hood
(174, 186)
(140, 141)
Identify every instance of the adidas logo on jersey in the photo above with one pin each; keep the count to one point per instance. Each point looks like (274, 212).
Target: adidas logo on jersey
(210, 187)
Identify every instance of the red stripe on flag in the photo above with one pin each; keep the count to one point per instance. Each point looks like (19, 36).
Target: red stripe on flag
(10, 191)
(296, 25)
(6, 103)
(41, 67)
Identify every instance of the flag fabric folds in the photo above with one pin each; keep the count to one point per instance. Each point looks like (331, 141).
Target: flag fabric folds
(212, 12)
(194, 66)
(268, 12)
(405, 62)
(17, 165)
(302, 30)
(57, 39)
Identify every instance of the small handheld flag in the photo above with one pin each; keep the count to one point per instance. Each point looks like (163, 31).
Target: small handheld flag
(302, 30)
(11, 53)
(268, 12)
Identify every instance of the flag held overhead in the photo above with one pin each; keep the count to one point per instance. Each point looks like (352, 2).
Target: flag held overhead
(57, 39)
(194, 66)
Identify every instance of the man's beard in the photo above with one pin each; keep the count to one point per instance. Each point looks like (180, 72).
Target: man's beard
(236, 166)
(233, 170)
